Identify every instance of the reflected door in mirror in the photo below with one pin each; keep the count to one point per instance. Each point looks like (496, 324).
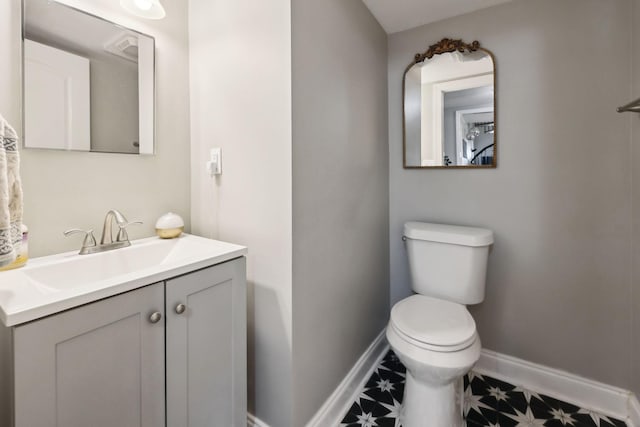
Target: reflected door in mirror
(56, 98)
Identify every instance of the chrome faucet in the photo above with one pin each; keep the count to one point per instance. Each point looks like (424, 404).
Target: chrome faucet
(89, 245)
(121, 221)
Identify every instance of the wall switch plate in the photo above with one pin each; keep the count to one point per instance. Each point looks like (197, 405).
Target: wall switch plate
(214, 165)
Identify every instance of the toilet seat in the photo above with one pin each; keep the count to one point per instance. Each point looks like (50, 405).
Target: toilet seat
(433, 324)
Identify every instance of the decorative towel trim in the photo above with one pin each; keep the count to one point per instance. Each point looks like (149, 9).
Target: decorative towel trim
(10, 194)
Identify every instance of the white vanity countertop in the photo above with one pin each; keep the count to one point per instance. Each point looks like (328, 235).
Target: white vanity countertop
(54, 283)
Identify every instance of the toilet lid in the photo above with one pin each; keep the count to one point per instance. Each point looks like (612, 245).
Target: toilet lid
(434, 321)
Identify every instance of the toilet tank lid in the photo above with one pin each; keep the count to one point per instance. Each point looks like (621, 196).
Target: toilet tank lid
(443, 233)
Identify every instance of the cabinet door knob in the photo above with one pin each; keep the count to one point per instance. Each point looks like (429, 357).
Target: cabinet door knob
(180, 308)
(155, 317)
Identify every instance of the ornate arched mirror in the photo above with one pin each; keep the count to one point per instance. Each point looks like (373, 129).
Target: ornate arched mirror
(449, 107)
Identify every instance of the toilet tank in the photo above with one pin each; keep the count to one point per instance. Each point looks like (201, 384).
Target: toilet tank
(448, 261)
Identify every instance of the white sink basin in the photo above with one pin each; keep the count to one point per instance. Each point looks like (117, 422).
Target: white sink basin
(76, 271)
(58, 282)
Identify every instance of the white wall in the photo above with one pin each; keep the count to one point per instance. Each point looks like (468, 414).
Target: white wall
(340, 194)
(241, 101)
(560, 202)
(67, 190)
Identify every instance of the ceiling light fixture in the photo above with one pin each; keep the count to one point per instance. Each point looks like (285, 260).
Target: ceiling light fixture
(149, 9)
(473, 133)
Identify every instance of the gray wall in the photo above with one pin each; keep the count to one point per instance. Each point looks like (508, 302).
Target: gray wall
(340, 194)
(635, 197)
(560, 274)
(65, 190)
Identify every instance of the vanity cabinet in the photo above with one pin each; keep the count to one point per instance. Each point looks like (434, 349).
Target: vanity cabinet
(101, 364)
(171, 353)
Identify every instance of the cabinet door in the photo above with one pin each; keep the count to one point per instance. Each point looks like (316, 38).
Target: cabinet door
(206, 347)
(99, 365)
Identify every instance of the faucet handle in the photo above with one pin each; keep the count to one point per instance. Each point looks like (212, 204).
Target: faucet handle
(89, 238)
(122, 232)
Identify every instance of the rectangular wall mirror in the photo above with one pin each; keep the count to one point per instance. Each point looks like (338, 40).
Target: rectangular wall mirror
(88, 83)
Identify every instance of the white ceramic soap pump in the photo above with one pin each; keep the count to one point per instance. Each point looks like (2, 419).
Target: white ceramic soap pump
(169, 226)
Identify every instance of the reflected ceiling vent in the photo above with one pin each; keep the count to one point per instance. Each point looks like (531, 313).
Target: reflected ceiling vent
(125, 46)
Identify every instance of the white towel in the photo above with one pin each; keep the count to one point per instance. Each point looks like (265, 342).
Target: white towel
(10, 194)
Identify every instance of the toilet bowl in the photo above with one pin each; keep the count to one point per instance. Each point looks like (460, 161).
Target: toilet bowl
(437, 342)
(431, 332)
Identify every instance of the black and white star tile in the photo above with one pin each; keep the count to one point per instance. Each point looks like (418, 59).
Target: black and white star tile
(487, 402)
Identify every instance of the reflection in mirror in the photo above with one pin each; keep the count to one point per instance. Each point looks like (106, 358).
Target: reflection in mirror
(449, 107)
(88, 83)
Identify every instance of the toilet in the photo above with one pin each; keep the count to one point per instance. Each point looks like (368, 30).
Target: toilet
(432, 332)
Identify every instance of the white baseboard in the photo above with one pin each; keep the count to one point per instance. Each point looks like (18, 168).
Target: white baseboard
(336, 406)
(634, 412)
(586, 393)
(252, 421)
(603, 398)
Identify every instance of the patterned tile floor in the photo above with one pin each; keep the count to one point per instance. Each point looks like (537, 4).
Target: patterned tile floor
(488, 402)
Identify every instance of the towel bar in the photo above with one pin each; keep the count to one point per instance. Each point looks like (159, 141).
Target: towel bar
(633, 106)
